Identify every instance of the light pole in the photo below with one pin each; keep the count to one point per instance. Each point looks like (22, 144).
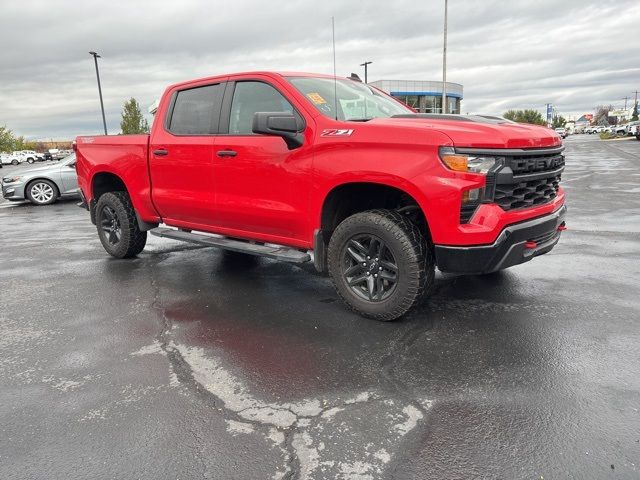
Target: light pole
(365, 69)
(444, 62)
(104, 121)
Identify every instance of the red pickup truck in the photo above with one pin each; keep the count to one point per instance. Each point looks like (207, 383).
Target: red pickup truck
(312, 168)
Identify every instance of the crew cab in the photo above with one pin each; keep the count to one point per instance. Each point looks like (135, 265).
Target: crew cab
(314, 168)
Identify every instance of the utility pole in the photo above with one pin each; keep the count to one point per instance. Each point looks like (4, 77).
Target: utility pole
(365, 69)
(625, 102)
(104, 121)
(444, 61)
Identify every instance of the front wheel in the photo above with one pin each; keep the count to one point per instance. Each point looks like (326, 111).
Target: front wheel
(380, 263)
(14, 162)
(118, 227)
(42, 192)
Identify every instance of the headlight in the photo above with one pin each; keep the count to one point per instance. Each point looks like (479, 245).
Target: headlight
(465, 162)
(10, 179)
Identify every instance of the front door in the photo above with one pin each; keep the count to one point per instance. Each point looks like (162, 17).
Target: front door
(181, 154)
(262, 187)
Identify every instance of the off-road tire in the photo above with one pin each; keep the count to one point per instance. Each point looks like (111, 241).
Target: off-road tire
(42, 192)
(412, 252)
(131, 240)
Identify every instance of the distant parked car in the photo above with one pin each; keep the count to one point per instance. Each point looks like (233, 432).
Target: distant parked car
(619, 129)
(561, 131)
(47, 156)
(60, 154)
(32, 156)
(13, 159)
(631, 127)
(43, 185)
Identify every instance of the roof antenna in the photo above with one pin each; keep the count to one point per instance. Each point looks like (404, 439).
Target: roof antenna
(335, 80)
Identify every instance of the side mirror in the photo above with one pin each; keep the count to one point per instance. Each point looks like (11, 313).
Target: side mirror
(280, 124)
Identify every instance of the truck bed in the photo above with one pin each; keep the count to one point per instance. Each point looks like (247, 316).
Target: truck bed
(124, 155)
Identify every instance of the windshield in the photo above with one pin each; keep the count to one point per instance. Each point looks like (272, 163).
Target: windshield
(68, 159)
(356, 101)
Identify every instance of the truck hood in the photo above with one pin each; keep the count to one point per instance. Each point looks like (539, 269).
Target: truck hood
(478, 131)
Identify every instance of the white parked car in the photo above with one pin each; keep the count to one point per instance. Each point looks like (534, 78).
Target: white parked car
(13, 158)
(631, 127)
(561, 131)
(619, 129)
(32, 156)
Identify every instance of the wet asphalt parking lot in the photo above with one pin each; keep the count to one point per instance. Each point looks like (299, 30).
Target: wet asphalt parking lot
(192, 363)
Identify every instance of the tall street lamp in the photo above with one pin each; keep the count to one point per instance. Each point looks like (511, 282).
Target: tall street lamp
(365, 69)
(444, 62)
(95, 59)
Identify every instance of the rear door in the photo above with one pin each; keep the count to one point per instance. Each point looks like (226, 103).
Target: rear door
(262, 187)
(181, 154)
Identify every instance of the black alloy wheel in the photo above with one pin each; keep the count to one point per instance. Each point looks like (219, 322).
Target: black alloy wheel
(380, 263)
(369, 268)
(117, 225)
(110, 225)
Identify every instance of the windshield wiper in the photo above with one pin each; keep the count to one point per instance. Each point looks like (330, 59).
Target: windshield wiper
(359, 119)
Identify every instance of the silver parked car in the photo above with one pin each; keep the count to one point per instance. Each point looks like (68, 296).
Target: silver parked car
(43, 185)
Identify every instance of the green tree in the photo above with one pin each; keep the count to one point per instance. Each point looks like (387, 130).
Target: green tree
(7, 140)
(510, 115)
(558, 121)
(634, 116)
(525, 116)
(132, 120)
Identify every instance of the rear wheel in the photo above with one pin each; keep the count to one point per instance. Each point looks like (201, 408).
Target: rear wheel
(118, 227)
(14, 162)
(42, 192)
(380, 263)
(30, 160)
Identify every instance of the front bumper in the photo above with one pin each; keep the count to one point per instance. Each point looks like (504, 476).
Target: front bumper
(514, 245)
(13, 191)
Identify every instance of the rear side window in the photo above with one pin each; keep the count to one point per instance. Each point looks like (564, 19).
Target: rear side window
(252, 97)
(195, 111)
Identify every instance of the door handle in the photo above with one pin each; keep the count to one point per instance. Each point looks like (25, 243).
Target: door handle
(160, 153)
(227, 153)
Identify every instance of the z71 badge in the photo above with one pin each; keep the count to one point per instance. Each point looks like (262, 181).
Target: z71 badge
(336, 132)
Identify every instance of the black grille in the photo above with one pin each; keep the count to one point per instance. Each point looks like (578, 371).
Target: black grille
(529, 178)
(522, 178)
(527, 193)
(521, 164)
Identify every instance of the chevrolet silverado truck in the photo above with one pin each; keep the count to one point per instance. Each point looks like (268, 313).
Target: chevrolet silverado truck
(312, 168)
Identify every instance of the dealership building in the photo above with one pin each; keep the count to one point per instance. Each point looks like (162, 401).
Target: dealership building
(424, 96)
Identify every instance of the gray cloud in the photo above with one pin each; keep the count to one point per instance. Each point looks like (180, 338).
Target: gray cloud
(518, 54)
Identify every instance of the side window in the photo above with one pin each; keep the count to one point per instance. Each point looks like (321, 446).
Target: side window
(195, 111)
(252, 97)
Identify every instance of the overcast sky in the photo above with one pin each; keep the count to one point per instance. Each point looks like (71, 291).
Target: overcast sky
(507, 54)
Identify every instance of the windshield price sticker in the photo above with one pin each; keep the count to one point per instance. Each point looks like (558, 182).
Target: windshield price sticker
(316, 98)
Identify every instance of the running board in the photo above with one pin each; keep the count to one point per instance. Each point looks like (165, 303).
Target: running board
(284, 254)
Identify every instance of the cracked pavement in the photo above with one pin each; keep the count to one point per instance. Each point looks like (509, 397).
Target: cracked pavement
(188, 362)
